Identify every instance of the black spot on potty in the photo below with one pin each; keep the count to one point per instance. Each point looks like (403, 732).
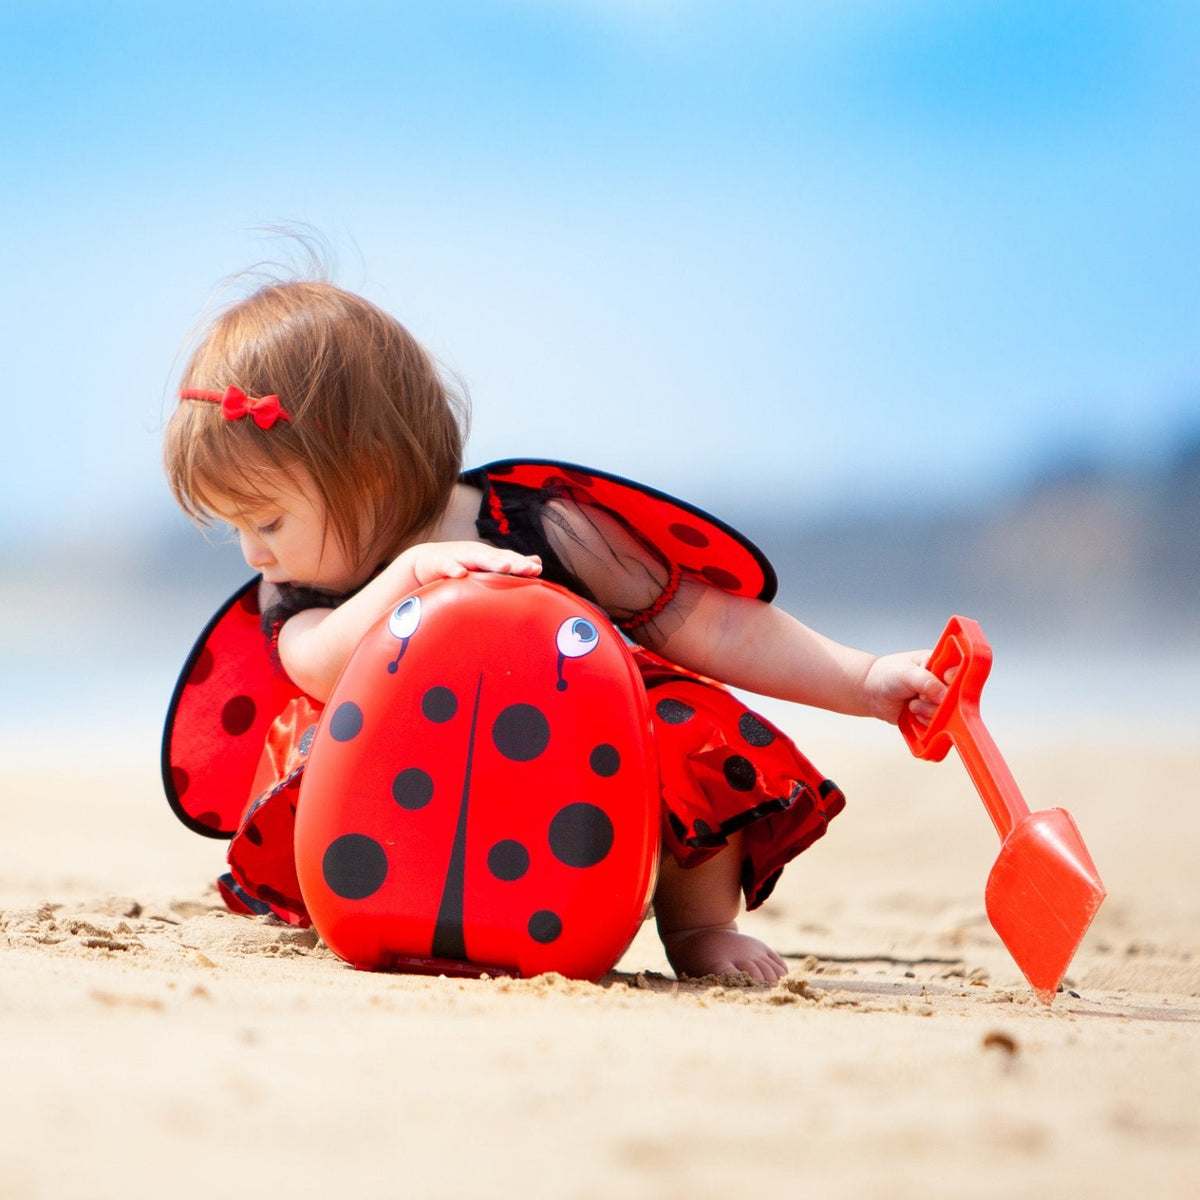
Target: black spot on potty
(605, 760)
(521, 732)
(508, 860)
(545, 926)
(412, 788)
(354, 866)
(346, 723)
(439, 704)
(581, 835)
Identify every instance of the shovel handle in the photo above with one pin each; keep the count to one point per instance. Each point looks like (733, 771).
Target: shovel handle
(957, 723)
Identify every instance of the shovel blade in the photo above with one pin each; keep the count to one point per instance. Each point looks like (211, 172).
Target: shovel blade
(1041, 896)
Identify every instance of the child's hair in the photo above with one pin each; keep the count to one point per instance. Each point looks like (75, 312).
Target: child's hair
(372, 420)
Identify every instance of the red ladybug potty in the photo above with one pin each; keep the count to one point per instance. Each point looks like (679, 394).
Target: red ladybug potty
(482, 792)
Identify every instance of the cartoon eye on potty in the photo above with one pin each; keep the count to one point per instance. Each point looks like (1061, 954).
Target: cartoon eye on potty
(576, 637)
(402, 624)
(482, 816)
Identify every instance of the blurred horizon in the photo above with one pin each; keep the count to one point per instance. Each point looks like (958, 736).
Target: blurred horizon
(908, 289)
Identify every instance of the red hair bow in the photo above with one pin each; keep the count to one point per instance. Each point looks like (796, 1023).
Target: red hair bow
(235, 404)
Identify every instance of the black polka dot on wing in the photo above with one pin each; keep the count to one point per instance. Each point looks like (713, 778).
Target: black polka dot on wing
(279, 899)
(306, 739)
(508, 860)
(439, 704)
(581, 835)
(412, 788)
(202, 668)
(725, 580)
(674, 712)
(238, 715)
(179, 780)
(354, 866)
(689, 535)
(556, 480)
(253, 834)
(346, 723)
(755, 731)
(521, 732)
(739, 773)
(545, 926)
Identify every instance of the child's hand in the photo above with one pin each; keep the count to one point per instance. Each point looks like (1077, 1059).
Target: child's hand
(430, 561)
(897, 681)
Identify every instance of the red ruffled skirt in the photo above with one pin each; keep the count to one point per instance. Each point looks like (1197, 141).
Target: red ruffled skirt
(724, 770)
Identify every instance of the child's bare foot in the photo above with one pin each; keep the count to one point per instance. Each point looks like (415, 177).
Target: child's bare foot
(721, 950)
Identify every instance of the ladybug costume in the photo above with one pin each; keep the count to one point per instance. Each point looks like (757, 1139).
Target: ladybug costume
(238, 732)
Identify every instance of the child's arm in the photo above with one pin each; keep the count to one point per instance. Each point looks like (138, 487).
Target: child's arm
(733, 639)
(316, 644)
(748, 644)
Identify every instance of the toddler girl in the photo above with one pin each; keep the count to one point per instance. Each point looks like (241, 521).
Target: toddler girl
(315, 426)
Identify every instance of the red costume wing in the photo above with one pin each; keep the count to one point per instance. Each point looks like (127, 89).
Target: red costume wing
(227, 695)
(686, 536)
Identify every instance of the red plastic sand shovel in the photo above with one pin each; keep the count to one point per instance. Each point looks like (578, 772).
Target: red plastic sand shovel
(1044, 889)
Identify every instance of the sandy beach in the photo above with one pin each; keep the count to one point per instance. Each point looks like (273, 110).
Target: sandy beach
(906, 294)
(154, 1045)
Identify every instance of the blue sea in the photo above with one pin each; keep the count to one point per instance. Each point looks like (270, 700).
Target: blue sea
(85, 677)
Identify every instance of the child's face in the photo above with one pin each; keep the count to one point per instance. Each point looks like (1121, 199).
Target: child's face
(285, 536)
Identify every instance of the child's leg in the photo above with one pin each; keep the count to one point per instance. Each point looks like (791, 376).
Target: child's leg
(696, 911)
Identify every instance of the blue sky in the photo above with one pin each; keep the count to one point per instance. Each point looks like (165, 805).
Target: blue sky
(813, 253)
